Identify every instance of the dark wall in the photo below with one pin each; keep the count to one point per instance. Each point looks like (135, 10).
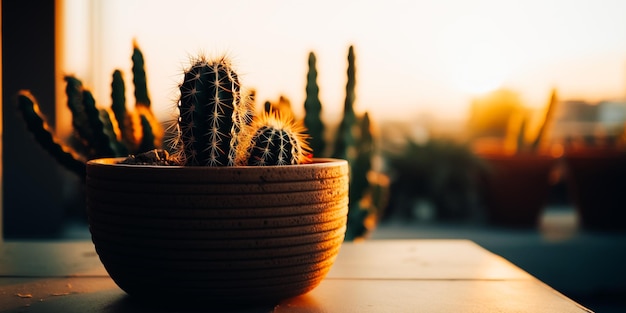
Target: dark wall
(32, 182)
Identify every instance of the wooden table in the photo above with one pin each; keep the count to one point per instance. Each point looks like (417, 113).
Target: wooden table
(371, 276)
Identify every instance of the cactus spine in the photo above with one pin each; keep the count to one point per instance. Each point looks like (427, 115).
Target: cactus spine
(208, 118)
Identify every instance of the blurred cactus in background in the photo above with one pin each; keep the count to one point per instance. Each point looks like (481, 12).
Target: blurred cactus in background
(313, 109)
(354, 142)
(44, 134)
(438, 179)
(282, 105)
(95, 133)
(534, 145)
(345, 139)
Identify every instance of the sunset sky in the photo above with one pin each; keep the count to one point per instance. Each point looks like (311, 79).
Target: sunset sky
(412, 56)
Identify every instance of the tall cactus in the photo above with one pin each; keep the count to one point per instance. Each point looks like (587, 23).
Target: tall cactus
(277, 140)
(355, 142)
(208, 121)
(346, 139)
(142, 106)
(313, 108)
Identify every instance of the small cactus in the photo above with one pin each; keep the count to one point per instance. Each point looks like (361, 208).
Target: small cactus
(276, 140)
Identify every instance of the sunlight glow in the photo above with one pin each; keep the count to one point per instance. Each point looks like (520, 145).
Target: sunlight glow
(412, 56)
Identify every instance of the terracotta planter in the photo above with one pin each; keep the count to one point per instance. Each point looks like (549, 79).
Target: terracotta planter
(597, 184)
(221, 234)
(517, 187)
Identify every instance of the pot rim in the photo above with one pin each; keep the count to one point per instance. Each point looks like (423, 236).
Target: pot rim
(316, 162)
(320, 168)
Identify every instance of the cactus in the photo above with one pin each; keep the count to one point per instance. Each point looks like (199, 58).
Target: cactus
(276, 140)
(346, 138)
(217, 125)
(92, 130)
(118, 104)
(313, 108)
(362, 164)
(64, 154)
(208, 120)
(354, 142)
(96, 133)
(139, 77)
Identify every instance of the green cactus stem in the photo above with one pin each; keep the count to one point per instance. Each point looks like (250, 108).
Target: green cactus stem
(74, 93)
(362, 164)
(36, 124)
(118, 97)
(208, 122)
(87, 122)
(313, 108)
(345, 140)
(139, 77)
(277, 140)
(142, 106)
(118, 106)
(108, 129)
(148, 139)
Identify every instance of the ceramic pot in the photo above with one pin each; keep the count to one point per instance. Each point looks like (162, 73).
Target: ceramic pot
(517, 187)
(596, 183)
(221, 234)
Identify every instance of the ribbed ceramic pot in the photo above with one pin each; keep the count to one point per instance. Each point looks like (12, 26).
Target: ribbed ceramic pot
(222, 234)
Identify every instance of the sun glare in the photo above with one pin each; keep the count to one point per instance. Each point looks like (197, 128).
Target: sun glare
(478, 81)
(432, 55)
(477, 55)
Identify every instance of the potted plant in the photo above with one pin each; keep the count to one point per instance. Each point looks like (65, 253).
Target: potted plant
(518, 176)
(238, 213)
(596, 176)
